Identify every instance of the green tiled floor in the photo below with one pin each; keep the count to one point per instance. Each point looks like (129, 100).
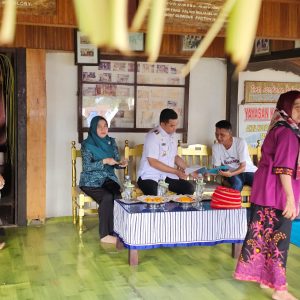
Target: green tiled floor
(51, 262)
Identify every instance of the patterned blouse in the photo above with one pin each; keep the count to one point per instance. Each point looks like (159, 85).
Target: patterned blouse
(94, 172)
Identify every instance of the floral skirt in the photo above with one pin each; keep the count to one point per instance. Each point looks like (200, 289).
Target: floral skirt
(264, 252)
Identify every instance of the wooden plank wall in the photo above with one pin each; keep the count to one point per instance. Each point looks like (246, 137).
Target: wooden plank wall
(36, 134)
(65, 16)
(44, 37)
(277, 21)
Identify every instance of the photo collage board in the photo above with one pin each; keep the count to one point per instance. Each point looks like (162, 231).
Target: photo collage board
(130, 94)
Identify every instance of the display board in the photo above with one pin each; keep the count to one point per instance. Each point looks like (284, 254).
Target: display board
(267, 91)
(130, 93)
(254, 120)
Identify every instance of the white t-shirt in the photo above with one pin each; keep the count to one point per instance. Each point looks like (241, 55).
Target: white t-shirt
(234, 156)
(161, 146)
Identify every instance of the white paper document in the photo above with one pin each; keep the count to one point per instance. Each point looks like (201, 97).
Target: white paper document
(192, 169)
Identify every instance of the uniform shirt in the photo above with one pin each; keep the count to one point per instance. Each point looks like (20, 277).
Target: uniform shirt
(161, 146)
(234, 156)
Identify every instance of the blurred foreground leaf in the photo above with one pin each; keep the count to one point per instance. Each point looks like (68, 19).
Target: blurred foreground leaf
(8, 26)
(105, 23)
(241, 31)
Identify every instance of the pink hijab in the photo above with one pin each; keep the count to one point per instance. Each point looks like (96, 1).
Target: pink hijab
(282, 117)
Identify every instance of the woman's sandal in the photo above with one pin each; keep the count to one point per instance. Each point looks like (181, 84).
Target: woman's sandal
(110, 239)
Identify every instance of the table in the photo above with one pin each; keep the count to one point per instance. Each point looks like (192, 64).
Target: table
(139, 227)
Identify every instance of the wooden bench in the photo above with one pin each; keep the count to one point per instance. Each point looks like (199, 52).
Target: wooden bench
(201, 154)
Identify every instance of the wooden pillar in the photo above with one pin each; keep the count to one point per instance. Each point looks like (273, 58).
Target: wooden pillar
(36, 134)
(232, 97)
(20, 67)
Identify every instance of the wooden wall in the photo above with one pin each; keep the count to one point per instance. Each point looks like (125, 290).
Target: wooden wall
(44, 37)
(279, 20)
(65, 16)
(36, 134)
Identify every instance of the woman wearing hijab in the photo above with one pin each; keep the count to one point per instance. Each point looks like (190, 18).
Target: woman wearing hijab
(275, 201)
(98, 180)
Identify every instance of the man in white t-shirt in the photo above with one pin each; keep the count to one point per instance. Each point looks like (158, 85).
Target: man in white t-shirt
(232, 152)
(160, 159)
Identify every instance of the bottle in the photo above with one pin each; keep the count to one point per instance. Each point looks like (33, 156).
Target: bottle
(161, 187)
(127, 188)
(127, 181)
(199, 188)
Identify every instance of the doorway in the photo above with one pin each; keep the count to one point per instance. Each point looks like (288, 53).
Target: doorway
(13, 136)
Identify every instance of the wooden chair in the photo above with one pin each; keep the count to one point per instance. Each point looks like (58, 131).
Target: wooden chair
(255, 154)
(195, 154)
(133, 156)
(81, 203)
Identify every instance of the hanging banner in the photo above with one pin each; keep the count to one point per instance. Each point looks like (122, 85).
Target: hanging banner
(193, 13)
(254, 120)
(267, 91)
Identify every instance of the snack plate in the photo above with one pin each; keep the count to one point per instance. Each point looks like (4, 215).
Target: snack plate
(153, 199)
(182, 198)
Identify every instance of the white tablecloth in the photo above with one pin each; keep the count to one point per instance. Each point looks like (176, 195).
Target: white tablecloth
(142, 228)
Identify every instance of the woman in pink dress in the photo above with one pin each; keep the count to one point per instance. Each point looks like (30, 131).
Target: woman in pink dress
(275, 201)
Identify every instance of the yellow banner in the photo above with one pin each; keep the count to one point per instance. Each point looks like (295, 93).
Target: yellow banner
(267, 91)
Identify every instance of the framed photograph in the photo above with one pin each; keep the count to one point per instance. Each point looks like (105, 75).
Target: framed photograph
(190, 42)
(136, 41)
(262, 46)
(85, 52)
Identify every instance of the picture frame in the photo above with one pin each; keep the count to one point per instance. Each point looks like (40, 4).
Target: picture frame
(136, 41)
(190, 42)
(86, 53)
(261, 46)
